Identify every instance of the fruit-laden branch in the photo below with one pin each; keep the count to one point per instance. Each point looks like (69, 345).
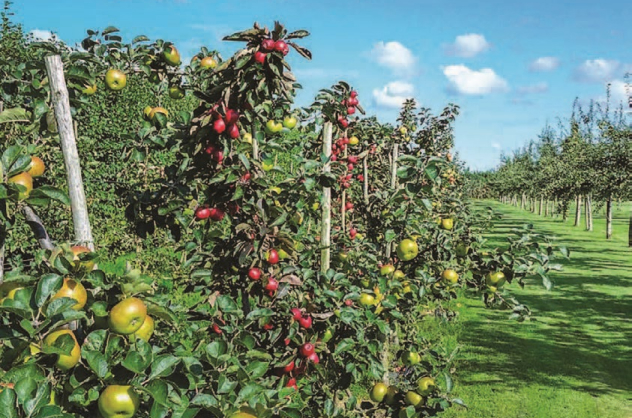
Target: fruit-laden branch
(38, 228)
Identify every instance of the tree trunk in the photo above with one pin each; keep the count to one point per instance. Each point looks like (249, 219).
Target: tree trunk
(325, 234)
(630, 230)
(541, 209)
(578, 209)
(588, 214)
(523, 201)
(546, 208)
(609, 218)
(61, 105)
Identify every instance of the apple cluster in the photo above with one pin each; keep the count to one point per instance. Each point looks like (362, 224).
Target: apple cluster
(270, 45)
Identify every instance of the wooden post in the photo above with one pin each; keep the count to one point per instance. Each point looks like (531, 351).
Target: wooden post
(394, 166)
(255, 143)
(365, 173)
(325, 234)
(61, 105)
(343, 208)
(3, 211)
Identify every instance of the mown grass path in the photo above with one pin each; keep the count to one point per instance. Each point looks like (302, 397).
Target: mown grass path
(575, 359)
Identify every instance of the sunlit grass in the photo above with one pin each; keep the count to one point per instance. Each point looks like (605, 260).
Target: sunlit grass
(575, 359)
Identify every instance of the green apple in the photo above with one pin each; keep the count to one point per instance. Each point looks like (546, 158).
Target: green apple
(115, 79)
(290, 122)
(171, 55)
(176, 92)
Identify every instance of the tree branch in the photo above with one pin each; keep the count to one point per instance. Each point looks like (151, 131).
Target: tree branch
(38, 228)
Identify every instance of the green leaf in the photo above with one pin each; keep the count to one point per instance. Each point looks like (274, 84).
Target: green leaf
(52, 193)
(163, 366)
(48, 285)
(14, 115)
(256, 369)
(138, 360)
(59, 305)
(7, 403)
(224, 385)
(97, 362)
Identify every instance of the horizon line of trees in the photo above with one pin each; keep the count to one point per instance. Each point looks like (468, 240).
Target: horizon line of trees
(586, 159)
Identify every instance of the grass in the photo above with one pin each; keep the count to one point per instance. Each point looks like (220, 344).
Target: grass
(575, 359)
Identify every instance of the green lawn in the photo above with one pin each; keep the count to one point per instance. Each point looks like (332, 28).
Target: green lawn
(575, 359)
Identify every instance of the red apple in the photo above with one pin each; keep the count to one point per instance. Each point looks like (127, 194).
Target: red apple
(218, 156)
(314, 357)
(360, 177)
(307, 349)
(217, 329)
(305, 322)
(267, 45)
(219, 126)
(268, 327)
(289, 367)
(349, 206)
(350, 167)
(296, 313)
(246, 177)
(202, 213)
(260, 57)
(348, 302)
(282, 47)
(254, 273)
(353, 94)
(232, 116)
(334, 158)
(291, 384)
(272, 284)
(217, 214)
(273, 257)
(350, 110)
(352, 233)
(233, 131)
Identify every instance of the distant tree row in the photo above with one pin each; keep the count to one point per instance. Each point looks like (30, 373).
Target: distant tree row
(586, 159)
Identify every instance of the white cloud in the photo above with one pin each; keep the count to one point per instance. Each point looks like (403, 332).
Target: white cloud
(597, 71)
(393, 94)
(533, 89)
(496, 145)
(544, 64)
(468, 45)
(464, 80)
(618, 94)
(394, 56)
(41, 35)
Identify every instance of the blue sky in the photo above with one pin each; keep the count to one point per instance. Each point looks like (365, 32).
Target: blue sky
(512, 66)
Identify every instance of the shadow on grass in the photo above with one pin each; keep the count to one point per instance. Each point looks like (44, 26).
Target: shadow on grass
(583, 339)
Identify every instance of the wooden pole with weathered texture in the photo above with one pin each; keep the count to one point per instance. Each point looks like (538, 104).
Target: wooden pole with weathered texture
(394, 166)
(61, 106)
(325, 234)
(365, 173)
(255, 143)
(3, 209)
